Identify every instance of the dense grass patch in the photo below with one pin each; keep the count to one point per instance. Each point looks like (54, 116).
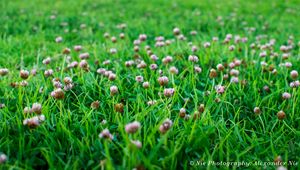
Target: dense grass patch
(157, 85)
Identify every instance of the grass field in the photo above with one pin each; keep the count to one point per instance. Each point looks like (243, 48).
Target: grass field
(196, 84)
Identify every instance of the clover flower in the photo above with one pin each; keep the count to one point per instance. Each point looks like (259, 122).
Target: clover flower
(77, 48)
(95, 104)
(113, 39)
(182, 112)
(220, 89)
(142, 37)
(197, 69)
(58, 39)
(139, 79)
(24, 74)
(220, 67)
(167, 59)
(84, 56)
(34, 121)
(112, 76)
(105, 134)
(153, 66)
(294, 74)
(146, 84)
(168, 92)
(257, 110)
(113, 90)
(163, 80)
(132, 127)
(151, 102)
(166, 126)
(281, 115)
(47, 61)
(286, 95)
(213, 73)
(193, 58)
(48, 73)
(137, 143)
(3, 158)
(176, 31)
(206, 44)
(58, 94)
(4, 71)
(173, 70)
(36, 108)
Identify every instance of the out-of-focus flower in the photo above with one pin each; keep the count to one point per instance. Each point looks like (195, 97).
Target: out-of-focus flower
(173, 70)
(23, 83)
(220, 89)
(2, 105)
(68, 80)
(142, 37)
(146, 84)
(95, 104)
(166, 125)
(234, 80)
(182, 112)
(106, 134)
(58, 39)
(66, 51)
(27, 110)
(48, 73)
(3, 71)
(119, 107)
(33, 72)
(212, 73)
(58, 94)
(163, 80)
(113, 90)
(257, 110)
(231, 48)
(206, 44)
(168, 92)
(176, 31)
(220, 67)
(34, 121)
(201, 108)
(132, 127)
(112, 77)
(295, 84)
(153, 66)
(129, 63)
(84, 56)
(137, 143)
(36, 108)
(281, 115)
(294, 74)
(234, 72)
(139, 79)
(193, 32)
(167, 59)
(24, 74)
(77, 48)
(286, 95)
(193, 58)
(151, 102)
(3, 158)
(197, 69)
(83, 64)
(113, 51)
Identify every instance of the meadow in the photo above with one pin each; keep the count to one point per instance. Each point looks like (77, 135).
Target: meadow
(157, 84)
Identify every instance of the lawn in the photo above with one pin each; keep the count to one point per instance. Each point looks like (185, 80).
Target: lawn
(157, 84)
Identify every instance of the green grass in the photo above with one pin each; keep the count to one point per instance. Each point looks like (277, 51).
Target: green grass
(226, 131)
